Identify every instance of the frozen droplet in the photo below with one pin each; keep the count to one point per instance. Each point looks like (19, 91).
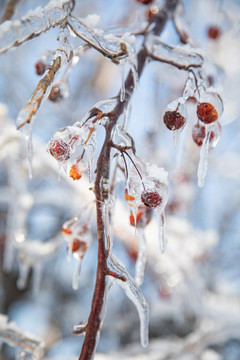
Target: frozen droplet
(203, 161)
(142, 256)
(133, 293)
(76, 275)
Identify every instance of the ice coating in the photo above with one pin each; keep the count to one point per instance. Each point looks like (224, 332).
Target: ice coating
(62, 54)
(11, 334)
(133, 293)
(122, 90)
(178, 56)
(15, 32)
(109, 45)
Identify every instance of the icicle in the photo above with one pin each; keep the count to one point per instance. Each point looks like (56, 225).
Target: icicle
(37, 276)
(161, 231)
(76, 275)
(59, 172)
(142, 256)
(24, 270)
(122, 90)
(176, 135)
(29, 151)
(203, 161)
(9, 253)
(133, 293)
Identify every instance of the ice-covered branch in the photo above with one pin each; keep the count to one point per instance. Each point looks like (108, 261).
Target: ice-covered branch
(11, 334)
(35, 22)
(181, 57)
(109, 45)
(34, 103)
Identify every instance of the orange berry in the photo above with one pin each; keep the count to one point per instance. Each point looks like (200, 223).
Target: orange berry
(207, 113)
(128, 197)
(74, 173)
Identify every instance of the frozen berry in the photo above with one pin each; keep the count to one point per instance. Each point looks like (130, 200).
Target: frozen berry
(198, 134)
(173, 120)
(40, 67)
(214, 32)
(151, 199)
(74, 173)
(145, 2)
(207, 113)
(79, 245)
(151, 12)
(59, 150)
(139, 218)
(128, 197)
(55, 94)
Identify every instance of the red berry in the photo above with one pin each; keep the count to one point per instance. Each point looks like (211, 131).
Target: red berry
(198, 134)
(55, 94)
(207, 113)
(151, 199)
(173, 120)
(145, 2)
(40, 67)
(59, 150)
(214, 32)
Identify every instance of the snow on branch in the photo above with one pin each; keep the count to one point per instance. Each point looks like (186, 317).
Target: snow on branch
(181, 57)
(11, 334)
(15, 32)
